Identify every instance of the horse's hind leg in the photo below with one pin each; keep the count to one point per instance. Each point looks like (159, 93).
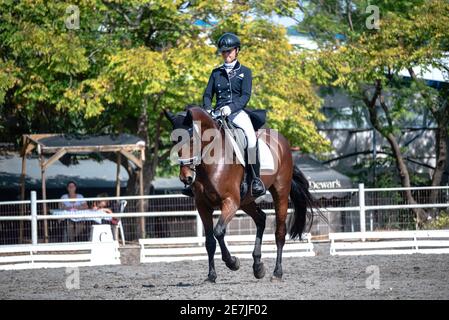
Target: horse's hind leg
(259, 218)
(228, 210)
(280, 197)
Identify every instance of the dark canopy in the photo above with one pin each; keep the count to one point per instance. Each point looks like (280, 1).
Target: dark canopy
(322, 177)
(66, 140)
(52, 147)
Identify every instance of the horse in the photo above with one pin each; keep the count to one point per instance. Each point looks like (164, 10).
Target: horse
(217, 186)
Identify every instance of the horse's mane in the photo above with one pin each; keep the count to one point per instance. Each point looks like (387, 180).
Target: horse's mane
(190, 106)
(190, 112)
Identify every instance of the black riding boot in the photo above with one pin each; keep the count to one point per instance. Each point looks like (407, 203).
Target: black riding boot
(188, 191)
(257, 186)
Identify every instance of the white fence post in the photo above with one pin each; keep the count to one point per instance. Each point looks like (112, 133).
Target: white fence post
(199, 226)
(33, 218)
(362, 208)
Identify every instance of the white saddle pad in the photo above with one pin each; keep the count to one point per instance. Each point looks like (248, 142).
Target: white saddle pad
(265, 155)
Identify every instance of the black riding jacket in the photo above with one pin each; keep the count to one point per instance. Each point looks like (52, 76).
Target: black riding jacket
(233, 90)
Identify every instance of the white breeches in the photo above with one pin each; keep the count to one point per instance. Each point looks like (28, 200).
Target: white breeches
(242, 119)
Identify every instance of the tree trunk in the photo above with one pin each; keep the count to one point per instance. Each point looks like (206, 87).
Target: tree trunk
(441, 157)
(405, 178)
(441, 116)
(151, 151)
(400, 163)
(445, 178)
(441, 154)
(142, 132)
(132, 187)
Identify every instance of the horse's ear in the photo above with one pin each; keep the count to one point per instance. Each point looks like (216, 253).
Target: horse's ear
(170, 116)
(188, 119)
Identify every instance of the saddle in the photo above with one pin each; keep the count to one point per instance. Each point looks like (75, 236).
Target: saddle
(258, 119)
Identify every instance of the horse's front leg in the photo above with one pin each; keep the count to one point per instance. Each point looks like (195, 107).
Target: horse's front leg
(211, 244)
(228, 209)
(259, 218)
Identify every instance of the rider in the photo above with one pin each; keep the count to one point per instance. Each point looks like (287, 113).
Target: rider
(231, 84)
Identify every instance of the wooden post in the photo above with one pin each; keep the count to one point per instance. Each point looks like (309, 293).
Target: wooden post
(117, 178)
(139, 163)
(44, 195)
(22, 177)
(117, 188)
(22, 192)
(54, 158)
(26, 149)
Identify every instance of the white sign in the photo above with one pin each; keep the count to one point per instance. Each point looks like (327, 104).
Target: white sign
(104, 247)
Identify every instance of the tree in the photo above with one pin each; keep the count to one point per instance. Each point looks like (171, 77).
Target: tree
(367, 63)
(129, 60)
(39, 59)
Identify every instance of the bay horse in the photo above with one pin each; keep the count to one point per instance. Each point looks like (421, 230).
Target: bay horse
(217, 186)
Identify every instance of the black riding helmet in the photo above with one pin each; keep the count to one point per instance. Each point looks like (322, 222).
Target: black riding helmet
(228, 41)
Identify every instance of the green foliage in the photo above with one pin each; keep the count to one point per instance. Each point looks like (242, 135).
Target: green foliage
(129, 60)
(441, 221)
(130, 56)
(40, 60)
(362, 61)
(7, 78)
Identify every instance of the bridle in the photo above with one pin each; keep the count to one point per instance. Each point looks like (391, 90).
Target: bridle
(194, 161)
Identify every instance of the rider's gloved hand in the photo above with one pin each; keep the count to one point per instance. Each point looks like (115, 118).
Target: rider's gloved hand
(226, 111)
(212, 113)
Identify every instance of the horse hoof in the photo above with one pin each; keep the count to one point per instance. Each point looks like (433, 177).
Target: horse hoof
(234, 265)
(211, 279)
(259, 270)
(276, 278)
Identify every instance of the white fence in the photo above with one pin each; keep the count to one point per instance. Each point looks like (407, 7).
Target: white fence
(361, 209)
(364, 210)
(356, 209)
(389, 242)
(54, 255)
(177, 249)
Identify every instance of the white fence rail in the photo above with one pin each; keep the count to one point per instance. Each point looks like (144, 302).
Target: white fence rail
(389, 242)
(192, 248)
(51, 255)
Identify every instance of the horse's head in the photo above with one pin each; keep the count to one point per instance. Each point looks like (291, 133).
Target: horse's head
(188, 127)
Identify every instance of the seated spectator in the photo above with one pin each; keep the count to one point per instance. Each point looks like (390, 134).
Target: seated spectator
(103, 205)
(73, 205)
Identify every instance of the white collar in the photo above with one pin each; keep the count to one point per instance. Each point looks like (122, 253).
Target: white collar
(230, 65)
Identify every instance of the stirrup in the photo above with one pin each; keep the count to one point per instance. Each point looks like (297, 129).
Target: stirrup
(243, 189)
(260, 187)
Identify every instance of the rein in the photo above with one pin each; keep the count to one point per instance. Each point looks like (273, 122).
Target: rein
(195, 161)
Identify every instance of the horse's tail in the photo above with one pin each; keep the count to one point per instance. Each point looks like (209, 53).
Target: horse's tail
(302, 201)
